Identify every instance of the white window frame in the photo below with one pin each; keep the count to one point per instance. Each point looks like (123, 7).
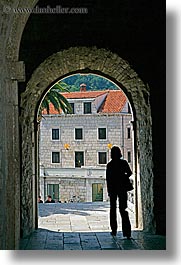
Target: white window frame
(81, 151)
(101, 127)
(53, 163)
(98, 157)
(87, 101)
(128, 127)
(82, 134)
(56, 140)
(72, 102)
(129, 151)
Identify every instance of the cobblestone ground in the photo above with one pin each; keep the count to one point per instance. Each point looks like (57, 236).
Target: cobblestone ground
(85, 226)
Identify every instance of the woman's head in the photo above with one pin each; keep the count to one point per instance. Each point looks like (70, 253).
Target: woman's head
(115, 152)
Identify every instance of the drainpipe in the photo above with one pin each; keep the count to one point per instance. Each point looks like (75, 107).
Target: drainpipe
(36, 169)
(133, 123)
(44, 184)
(122, 146)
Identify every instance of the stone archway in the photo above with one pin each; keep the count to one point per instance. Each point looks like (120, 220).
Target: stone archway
(110, 65)
(12, 72)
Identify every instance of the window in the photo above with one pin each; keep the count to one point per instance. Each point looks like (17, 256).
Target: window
(102, 157)
(87, 107)
(55, 157)
(129, 109)
(78, 134)
(97, 192)
(129, 133)
(79, 159)
(53, 190)
(129, 156)
(101, 133)
(55, 134)
(73, 108)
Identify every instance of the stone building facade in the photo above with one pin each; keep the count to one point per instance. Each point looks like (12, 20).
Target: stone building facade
(75, 148)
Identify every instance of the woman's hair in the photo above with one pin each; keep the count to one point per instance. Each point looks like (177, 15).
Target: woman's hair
(116, 152)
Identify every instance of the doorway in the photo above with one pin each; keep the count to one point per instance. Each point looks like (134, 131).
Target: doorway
(97, 192)
(53, 190)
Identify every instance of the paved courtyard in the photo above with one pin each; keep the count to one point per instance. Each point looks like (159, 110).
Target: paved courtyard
(76, 217)
(85, 226)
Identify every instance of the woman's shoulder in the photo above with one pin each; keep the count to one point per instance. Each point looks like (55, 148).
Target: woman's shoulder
(123, 163)
(124, 160)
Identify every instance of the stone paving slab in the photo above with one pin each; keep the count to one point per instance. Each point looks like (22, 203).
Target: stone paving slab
(83, 241)
(85, 226)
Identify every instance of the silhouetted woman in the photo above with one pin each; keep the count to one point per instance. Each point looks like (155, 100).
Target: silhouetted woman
(117, 175)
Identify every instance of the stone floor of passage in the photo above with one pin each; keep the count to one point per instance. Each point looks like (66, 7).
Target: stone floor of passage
(85, 226)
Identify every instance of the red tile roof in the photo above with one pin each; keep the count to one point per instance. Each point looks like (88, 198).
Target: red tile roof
(113, 102)
(52, 110)
(86, 94)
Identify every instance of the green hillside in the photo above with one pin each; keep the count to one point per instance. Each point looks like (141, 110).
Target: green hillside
(92, 81)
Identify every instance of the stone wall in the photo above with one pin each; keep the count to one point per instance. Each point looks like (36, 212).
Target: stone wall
(78, 186)
(69, 187)
(12, 70)
(82, 178)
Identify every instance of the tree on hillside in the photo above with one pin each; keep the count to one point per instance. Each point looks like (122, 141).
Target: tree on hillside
(93, 82)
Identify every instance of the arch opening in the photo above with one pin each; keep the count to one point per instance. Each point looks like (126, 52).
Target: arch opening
(114, 68)
(64, 137)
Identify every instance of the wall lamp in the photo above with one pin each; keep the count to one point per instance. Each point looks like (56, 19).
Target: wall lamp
(109, 146)
(67, 146)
